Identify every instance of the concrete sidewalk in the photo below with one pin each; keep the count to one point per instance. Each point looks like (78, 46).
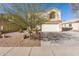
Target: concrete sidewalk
(39, 51)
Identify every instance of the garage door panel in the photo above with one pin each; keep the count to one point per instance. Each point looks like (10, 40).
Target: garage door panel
(51, 28)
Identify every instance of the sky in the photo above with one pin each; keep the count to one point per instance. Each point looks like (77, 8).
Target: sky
(65, 8)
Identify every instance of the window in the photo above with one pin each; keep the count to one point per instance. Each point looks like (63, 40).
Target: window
(52, 15)
(70, 25)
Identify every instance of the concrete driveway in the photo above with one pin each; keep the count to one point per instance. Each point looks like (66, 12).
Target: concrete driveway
(61, 39)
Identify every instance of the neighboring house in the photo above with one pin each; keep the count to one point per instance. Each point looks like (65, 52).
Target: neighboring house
(73, 24)
(54, 21)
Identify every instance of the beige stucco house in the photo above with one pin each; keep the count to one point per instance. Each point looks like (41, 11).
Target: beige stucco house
(54, 21)
(72, 23)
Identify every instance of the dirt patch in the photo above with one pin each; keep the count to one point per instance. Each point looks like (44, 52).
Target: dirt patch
(17, 40)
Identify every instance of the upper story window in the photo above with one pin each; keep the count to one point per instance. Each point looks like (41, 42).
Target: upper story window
(52, 15)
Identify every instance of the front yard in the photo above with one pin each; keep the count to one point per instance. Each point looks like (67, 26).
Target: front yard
(15, 39)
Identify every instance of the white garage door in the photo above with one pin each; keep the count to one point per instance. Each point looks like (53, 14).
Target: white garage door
(51, 28)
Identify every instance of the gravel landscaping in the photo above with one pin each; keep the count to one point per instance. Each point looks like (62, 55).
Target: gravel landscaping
(15, 39)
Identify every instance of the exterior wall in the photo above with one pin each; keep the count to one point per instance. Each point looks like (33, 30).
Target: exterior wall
(53, 24)
(75, 26)
(51, 28)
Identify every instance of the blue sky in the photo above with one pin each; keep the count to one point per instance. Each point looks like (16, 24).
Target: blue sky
(65, 8)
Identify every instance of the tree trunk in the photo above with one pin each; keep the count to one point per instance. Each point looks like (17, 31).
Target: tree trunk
(30, 32)
(30, 35)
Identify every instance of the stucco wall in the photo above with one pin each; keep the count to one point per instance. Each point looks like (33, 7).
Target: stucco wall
(51, 28)
(75, 26)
